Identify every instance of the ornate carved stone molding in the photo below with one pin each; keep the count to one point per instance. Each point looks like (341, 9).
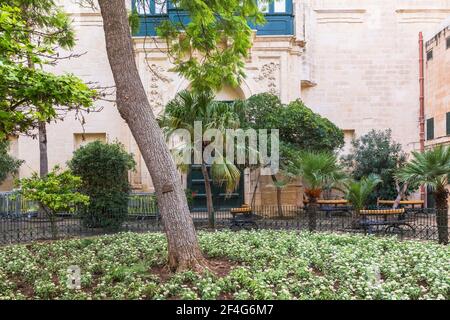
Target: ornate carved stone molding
(157, 80)
(268, 75)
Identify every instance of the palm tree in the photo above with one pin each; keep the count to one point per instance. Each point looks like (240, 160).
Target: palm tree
(431, 169)
(318, 170)
(358, 193)
(181, 113)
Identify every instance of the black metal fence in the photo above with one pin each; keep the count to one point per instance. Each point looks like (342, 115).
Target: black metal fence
(142, 216)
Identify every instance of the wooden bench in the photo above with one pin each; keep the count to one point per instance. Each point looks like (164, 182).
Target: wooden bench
(329, 206)
(392, 219)
(244, 209)
(382, 212)
(412, 203)
(243, 218)
(329, 202)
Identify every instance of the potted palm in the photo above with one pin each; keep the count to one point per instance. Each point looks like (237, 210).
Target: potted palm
(431, 169)
(358, 193)
(317, 170)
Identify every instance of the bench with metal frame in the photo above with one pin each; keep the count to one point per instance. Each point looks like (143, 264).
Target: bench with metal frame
(403, 203)
(243, 218)
(393, 220)
(333, 206)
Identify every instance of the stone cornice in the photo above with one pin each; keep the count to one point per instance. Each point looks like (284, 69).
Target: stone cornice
(334, 11)
(325, 16)
(260, 43)
(421, 15)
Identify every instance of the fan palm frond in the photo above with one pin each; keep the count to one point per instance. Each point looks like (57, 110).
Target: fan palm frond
(224, 172)
(430, 168)
(319, 169)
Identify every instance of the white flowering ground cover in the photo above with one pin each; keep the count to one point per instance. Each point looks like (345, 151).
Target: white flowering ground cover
(265, 265)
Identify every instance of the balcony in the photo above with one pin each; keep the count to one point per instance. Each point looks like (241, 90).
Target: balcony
(279, 17)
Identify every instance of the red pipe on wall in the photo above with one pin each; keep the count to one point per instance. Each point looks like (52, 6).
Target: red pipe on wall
(422, 104)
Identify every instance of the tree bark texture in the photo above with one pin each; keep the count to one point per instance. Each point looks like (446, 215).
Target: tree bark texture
(43, 155)
(311, 209)
(133, 106)
(441, 195)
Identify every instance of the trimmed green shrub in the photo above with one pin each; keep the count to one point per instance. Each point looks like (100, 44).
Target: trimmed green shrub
(298, 125)
(104, 172)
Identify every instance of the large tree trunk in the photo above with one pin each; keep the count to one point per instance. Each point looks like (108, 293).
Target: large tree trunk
(440, 196)
(209, 199)
(42, 130)
(133, 106)
(43, 157)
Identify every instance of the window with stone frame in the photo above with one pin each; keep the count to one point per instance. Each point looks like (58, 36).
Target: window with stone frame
(447, 131)
(430, 129)
(81, 139)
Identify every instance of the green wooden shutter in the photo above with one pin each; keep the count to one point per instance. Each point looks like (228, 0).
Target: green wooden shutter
(448, 123)
(430, 129)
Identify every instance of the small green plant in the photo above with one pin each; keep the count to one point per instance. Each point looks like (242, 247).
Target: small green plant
(358, 192)
(56, 192)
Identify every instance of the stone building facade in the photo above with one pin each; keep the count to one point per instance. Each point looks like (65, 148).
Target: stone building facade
(354, 62)
(437, 87)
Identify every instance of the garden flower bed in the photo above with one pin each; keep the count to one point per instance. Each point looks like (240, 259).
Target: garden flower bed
(253, 265)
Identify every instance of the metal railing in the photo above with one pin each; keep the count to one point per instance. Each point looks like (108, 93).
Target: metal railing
(142, 204)
(142, 216)
(14, 205)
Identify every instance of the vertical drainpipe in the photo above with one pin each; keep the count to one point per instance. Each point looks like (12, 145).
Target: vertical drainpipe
(422, 105)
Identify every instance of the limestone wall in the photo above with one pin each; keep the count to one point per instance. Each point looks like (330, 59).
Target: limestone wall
(437, 82)
(366, 62)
